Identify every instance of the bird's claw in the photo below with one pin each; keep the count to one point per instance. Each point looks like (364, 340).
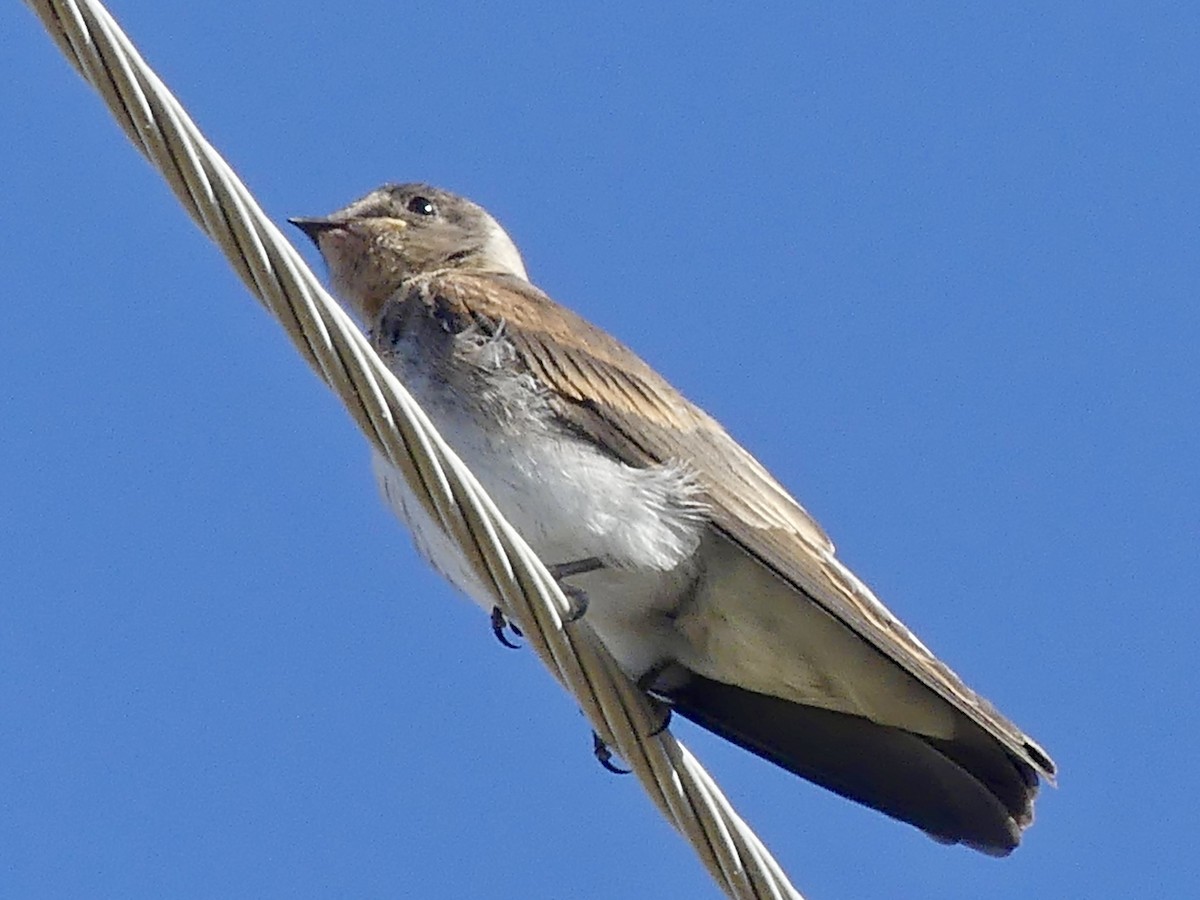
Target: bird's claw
(646, 685)
(605, 756)
(579, 599)
(499, 624)
(579, 603)
(664, 724)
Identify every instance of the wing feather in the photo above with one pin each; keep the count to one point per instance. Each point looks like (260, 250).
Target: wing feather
(602, 389)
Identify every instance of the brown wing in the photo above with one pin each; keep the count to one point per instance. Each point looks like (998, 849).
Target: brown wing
(603, 389)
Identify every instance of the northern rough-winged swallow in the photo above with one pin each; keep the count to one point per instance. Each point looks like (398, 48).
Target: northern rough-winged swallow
(708, 583)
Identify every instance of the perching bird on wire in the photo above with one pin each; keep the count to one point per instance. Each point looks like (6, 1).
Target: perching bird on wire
(711, 587)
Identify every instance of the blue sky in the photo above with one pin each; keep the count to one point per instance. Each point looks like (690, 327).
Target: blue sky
(938, 268)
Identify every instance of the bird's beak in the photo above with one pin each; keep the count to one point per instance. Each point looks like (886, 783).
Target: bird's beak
(314, 228)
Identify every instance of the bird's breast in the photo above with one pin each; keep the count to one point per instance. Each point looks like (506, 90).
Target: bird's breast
(568, 498)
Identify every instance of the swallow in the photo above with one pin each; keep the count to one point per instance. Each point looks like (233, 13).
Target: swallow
(710, 585)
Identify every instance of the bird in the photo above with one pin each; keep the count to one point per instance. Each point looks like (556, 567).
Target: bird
(710, 585)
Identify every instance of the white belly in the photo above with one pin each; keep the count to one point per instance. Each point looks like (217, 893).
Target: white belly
(569, 502)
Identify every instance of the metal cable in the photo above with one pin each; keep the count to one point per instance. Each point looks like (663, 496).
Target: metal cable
(327, 339)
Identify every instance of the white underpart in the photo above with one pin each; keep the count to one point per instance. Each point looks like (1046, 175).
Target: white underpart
(570, 502)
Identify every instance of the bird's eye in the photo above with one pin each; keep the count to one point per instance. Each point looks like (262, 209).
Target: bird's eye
(422, 206)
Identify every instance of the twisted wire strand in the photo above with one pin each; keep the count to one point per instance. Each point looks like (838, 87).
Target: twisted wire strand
(331, 344)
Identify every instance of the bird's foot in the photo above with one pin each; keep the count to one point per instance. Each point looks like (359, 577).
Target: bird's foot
(604, 755)
(579, 599)
(500, 622)
(665, 722)
(646, 685)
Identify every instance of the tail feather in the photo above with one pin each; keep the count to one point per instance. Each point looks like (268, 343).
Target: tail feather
(967, 789)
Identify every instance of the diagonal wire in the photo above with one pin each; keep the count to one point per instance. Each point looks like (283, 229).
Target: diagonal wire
(327, 339)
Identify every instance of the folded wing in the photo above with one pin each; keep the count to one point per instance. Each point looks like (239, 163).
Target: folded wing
(972, 779)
